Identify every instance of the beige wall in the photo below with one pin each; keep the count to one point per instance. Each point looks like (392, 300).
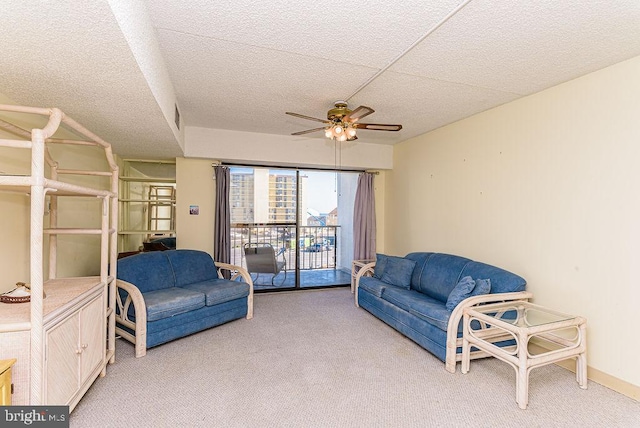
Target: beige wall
(195, 186)
(545, 186)
(283, 150)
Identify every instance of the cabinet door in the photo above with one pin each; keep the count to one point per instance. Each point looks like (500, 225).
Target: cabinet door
(62, 352)
(93, 326)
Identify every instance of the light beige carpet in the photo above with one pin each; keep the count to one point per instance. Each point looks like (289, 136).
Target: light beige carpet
(312, 359)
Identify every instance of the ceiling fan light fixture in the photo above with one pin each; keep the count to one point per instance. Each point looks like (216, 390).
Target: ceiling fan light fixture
(341, 132)
(342, 123)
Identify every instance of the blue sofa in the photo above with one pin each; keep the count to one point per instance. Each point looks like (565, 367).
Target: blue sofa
(165, 295)
(423, 295)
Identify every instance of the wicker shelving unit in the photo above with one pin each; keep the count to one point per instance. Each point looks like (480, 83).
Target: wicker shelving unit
(63, 342)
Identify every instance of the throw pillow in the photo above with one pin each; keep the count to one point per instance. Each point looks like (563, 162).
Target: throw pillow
(461, 291)
(381, 263)
(398, 272)
(483, 286)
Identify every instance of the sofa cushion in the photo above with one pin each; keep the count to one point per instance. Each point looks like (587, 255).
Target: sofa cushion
(191, 266)
(502, 281)
(381, 263)
(461, 291)
(426, 308)
(421, 260)
(432, 311)
(399, 296)
(440, 274)
(147, 271)
(218, 291)
(372, 285)
(171, 301)
(398, 272)
(483, 286)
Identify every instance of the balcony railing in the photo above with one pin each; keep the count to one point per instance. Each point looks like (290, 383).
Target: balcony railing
(317, 244)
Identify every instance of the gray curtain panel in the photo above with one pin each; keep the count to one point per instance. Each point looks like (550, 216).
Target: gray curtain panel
(364, 219)
(222, 223)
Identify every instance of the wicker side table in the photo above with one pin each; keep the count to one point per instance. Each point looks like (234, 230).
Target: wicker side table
(564, 336)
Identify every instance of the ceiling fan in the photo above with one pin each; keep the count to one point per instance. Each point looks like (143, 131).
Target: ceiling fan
(341, 123)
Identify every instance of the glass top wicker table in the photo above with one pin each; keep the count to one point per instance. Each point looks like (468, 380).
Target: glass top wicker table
(559, 336)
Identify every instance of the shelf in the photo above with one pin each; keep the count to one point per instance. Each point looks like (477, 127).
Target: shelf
(22, 183)
(149, 179)
(145, 232)
(70, 231)
(155, 201)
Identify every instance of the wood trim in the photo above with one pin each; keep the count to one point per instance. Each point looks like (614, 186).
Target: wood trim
(621, 386)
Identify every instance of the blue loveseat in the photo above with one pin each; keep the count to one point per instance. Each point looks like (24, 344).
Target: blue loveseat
(423, 295)
(164, 295)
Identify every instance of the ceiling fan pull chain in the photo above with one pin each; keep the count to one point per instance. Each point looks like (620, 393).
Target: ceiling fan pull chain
(335, 165)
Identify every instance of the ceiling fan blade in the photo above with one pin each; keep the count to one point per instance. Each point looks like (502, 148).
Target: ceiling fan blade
(308, 131)
(302, 116)
(377, 126)
(358, 113)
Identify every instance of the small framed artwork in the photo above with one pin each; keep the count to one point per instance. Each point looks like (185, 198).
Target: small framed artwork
(194, 209)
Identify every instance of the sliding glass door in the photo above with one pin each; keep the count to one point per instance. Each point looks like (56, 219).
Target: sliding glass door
(292, 228)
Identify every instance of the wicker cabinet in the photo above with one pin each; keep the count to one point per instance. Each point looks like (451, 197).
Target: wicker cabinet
(75, 351)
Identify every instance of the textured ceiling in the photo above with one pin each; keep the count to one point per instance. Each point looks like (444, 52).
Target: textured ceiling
(240, 65)
(72, 55)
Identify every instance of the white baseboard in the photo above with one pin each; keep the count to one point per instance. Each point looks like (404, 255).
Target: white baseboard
(597, 376)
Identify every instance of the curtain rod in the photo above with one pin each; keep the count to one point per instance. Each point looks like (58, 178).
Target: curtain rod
(292, 168)
(163, 161)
